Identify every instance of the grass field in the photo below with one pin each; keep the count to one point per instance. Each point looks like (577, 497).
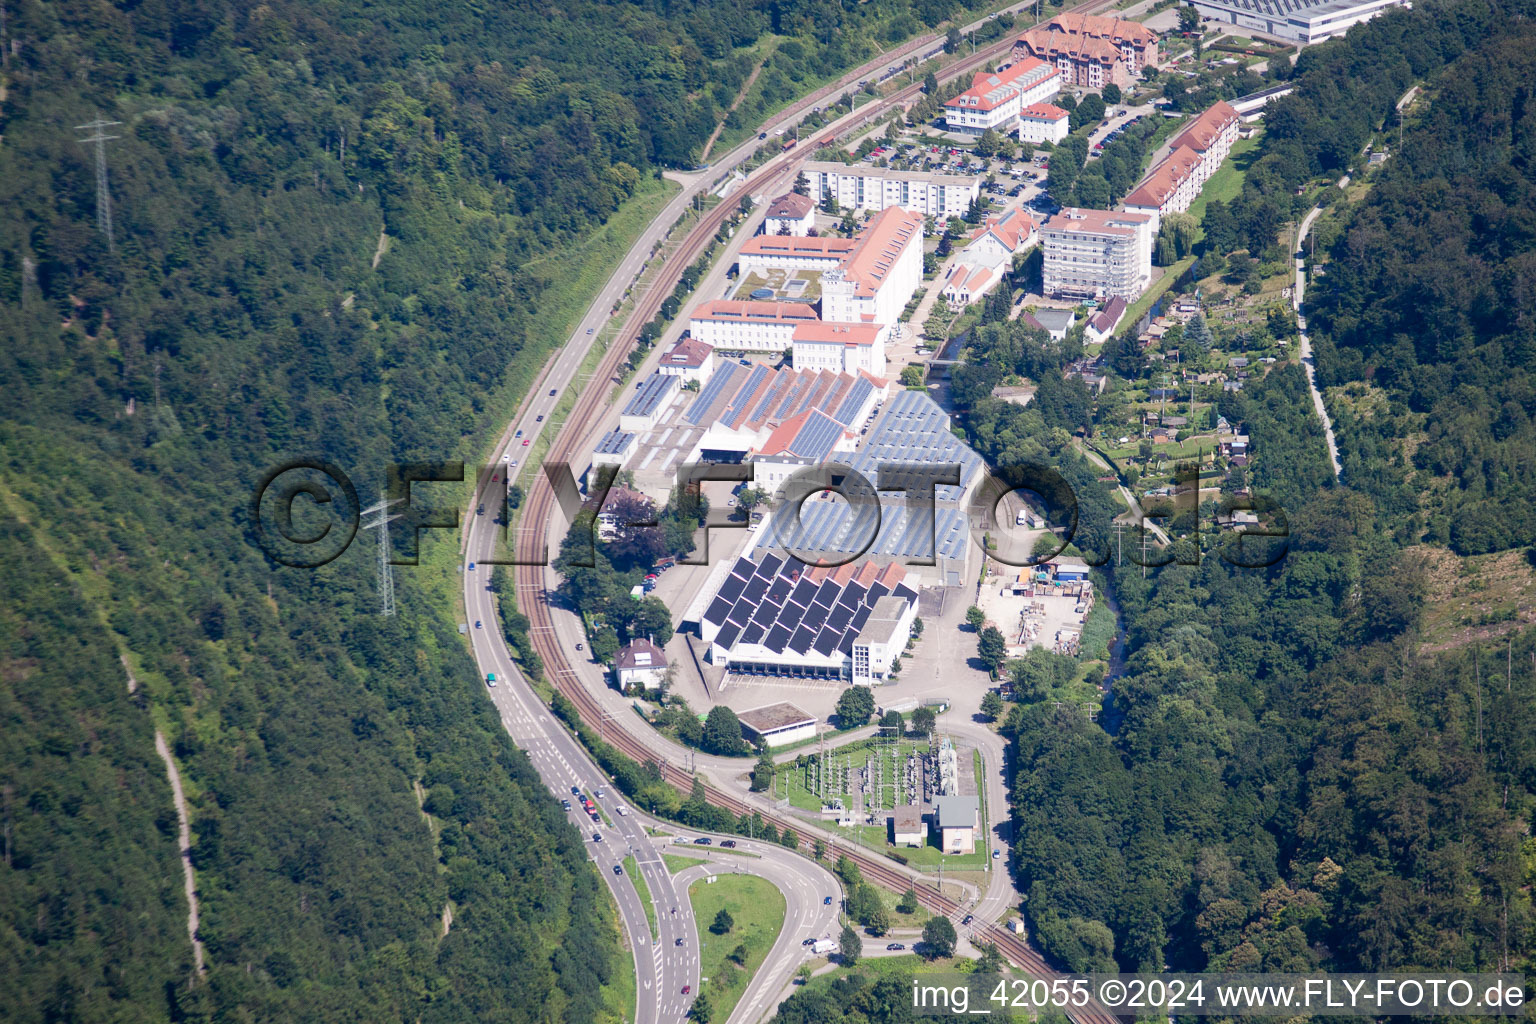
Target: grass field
(757, 908)
(633, 870)
(1227, 182)
(675, 863)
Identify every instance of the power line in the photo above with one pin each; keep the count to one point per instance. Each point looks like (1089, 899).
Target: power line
(98, 136)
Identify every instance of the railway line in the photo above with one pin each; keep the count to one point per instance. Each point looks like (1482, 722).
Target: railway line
(532, 538)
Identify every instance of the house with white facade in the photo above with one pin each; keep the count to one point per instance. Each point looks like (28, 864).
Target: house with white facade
(1043, 122)
(791, 215)
(995, 242)
(641, 663)
(689, 359)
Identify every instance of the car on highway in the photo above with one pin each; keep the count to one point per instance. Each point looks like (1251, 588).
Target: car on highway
(490, 679)
(518, 434)
(729, 844)
(471, 566)
(589, 330)
(762, 135)
(618, 869)
(687, 989)
(506, 458)
(677, 942)
(595, 818)
(539, 418)
(826, 901)
(598, 793)
(597, 837)
(552, 392)
(968, 919)
(525, 442)
(477, 623)
(575, 791)
(480, 511)
(580, 647)
(891, 947)
(703, 841)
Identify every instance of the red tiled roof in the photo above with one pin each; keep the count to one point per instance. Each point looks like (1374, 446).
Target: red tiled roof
(790, 207)
(827, 247)
(1207, 128)
(827, 332)
(1118, 29)
(880, 244)
(1011, 229)
(747, 311)
(688, 352)
(1044, 112)
(1165, 178)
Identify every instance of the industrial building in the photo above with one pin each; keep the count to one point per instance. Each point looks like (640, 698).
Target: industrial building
(613, 448)
(1295, 21)
(957, 819)
(777, 725)
(652, 398)
(777, 616)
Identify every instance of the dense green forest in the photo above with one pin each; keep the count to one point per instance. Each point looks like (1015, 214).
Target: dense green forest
(1426, 312)
(338, 229)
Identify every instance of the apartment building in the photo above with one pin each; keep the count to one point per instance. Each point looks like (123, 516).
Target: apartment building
(928, 193)
(1091, 50)
(735, 325)
(1194, 155)
(995, 98)
(780, 252)
(1097, 254)
(1043, 122)
(876, 280)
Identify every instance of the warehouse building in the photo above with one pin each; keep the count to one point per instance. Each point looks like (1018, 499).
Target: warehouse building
(1295, 21)
(777, 725)
(777, 616)
(652, 398)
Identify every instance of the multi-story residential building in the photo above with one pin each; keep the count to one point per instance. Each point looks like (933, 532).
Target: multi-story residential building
(876, 280)
(995, 98)
(791, 214)
(777, 252)
(1097, 254)
(1194, 155)
(1091, 50)
(1043, 122)
(1296, 21)
(928, 193)
(1134, 43)
(746, 326)
(841, 347)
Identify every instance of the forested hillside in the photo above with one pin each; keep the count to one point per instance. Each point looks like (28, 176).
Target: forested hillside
(1427, 312)
(339, 229)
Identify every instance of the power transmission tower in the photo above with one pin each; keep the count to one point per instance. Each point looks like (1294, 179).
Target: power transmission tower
(98, 135)
(386, 571)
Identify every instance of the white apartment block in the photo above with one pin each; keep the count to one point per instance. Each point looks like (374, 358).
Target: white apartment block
(744, 326)
(784, 252)
(1193, 156)
(995, 99)
(877, 279)
(1043, 122)
(1097, 254)
(928, 193)
(841, 347)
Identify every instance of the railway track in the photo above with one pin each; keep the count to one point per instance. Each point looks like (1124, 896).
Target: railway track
(532, 536)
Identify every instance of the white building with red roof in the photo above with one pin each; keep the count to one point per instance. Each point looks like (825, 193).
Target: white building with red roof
(783, 252)
(689, 359)
(995, 98)
(876, 280)
(1193, 156)
(995, 242)
(791, 215)
(1043, 122)
(737, 325)
(1097, 254)
(841, 347)
(1092, 50)
(967, 282)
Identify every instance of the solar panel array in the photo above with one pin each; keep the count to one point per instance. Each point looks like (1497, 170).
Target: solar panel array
(773, 603)
(650, 394)
(750, 393)
(615, 442)
(915, 429)
(906, 531)
(816, 438)
(1281, 8)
